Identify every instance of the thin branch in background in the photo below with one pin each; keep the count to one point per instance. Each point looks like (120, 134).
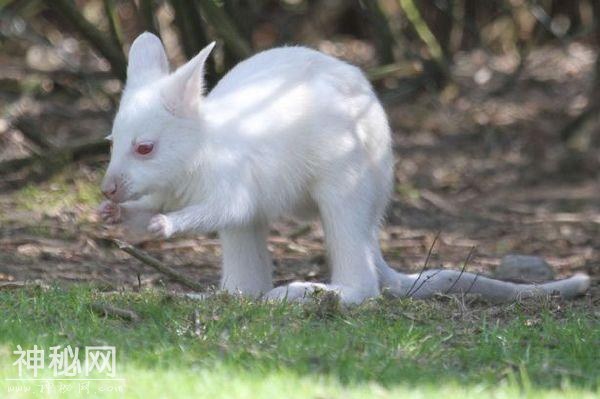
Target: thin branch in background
(383, 34)
(192, 34)
(437, 236)
(399, 70)
(464, 267)
(189, 23)
(425, 281)
(245, 15)
(115, 57)
(472, 283)
(414, 16)
(151, 261)
(544, 19)
(438, 16)
(222, 23)
(113, 23)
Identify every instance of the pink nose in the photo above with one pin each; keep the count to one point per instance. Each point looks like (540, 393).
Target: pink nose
(109, 189)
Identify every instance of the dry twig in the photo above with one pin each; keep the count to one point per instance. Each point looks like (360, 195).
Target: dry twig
(151, 261)
(12, 285)
(410, 291)
(105, 309)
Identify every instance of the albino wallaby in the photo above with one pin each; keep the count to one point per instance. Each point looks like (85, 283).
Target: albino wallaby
(289, 131)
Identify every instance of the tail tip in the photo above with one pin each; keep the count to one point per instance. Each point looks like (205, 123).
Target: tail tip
(583, 282)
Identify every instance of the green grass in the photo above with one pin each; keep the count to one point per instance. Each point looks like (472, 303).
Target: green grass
(62, 192)
(227, 347)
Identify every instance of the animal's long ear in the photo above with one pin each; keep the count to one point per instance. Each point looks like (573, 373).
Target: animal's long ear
(184, 89)
(147, 60)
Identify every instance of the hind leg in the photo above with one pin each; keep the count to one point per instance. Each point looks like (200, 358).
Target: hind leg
(348, 214)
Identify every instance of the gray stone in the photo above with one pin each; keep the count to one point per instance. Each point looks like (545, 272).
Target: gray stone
(524, 269)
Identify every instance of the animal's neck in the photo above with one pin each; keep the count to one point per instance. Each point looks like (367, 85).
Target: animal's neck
(190, 184)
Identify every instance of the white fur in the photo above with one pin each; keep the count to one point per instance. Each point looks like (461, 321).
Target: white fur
(290, 131)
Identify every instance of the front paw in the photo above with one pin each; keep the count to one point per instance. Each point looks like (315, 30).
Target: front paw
(161, 226)
(110, 212)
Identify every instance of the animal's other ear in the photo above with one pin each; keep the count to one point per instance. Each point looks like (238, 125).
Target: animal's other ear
(184, 89)
(147, 60)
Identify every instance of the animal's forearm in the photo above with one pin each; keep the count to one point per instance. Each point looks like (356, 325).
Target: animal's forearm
(133, 207)
(208, 218)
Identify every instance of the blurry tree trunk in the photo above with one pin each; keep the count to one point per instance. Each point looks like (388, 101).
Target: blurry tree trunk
(114, 55)
(146, 10)
(190, 24)
(191, 33)
(573, 128)
(218, 18)
(244, 14)
(384, 38)
(470, 34)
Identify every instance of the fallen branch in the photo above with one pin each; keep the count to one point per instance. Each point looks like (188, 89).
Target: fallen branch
(151, 261)
(29, 129)
(12, 285)
(105, 309)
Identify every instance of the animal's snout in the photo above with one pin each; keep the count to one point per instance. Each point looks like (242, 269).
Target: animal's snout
(110, 188)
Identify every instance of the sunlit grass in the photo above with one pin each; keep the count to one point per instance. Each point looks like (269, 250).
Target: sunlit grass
(61, 193)
(229, 347)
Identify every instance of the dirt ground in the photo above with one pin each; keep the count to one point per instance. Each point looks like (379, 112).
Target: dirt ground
(482, 168)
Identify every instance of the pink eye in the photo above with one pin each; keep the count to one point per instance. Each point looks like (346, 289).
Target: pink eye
(144, 148)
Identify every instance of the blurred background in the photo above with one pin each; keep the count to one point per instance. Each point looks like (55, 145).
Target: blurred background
(494, 105)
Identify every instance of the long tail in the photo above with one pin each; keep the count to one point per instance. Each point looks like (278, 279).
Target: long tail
(443, 281)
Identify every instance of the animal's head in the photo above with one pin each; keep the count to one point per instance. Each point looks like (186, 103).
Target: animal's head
(155, 133)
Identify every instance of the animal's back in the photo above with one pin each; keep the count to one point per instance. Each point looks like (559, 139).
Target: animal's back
(289, 63)
(297, 115)
(302, 95)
